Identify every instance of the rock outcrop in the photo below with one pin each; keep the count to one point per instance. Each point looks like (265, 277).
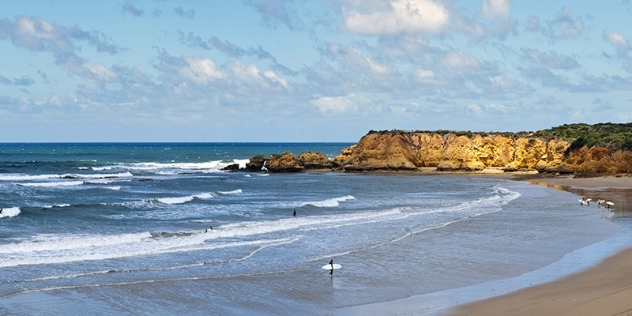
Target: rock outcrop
(401, 151)
(449, 152)
(314, 161)
(286, 162)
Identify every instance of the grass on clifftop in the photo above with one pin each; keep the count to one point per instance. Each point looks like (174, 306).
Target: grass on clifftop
(609, 135)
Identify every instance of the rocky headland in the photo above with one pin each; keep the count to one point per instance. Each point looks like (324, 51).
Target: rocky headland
(544, 152)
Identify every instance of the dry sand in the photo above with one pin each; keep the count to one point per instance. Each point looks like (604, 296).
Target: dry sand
(605, 289)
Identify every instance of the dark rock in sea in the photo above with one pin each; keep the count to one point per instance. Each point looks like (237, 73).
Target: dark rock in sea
(232, 168)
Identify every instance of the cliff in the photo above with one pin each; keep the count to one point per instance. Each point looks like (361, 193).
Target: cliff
(604, 148)
(448, 152)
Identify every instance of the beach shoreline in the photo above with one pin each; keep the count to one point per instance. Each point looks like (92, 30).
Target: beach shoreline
(599, 287)
(603, 289)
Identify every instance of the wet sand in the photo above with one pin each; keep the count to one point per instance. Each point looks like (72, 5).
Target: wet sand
(604, 289)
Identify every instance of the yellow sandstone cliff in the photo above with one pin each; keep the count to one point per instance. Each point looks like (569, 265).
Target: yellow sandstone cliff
(449, 152)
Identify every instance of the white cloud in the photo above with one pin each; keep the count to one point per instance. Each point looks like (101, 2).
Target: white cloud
(550, 59)
(402, 16)
(492, 109)
(565, 25)
(357, 60)
(250, 76)
(533, 25)
(498, 13)
(36, 28)
(362, 62)
(38, 34)
(469, 26)
(425, 76)
(201, 71)
(499, 108)
(337, 105)
(99, 73)
(474, 109)
(501, 82)
(459, 60)
(274, 78)
(617, 39)
(496, 9)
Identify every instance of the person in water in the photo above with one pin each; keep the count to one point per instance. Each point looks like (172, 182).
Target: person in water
(210, 228)
(331, 272)
(294, 214)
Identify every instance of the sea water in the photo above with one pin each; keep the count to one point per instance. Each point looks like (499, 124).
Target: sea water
(158, 228)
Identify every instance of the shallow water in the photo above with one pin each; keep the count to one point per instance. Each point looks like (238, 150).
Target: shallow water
(104, 232)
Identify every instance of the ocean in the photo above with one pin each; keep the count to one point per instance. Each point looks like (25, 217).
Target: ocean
(159, 229)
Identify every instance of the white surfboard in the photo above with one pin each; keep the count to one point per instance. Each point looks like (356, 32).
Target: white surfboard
(328, 266)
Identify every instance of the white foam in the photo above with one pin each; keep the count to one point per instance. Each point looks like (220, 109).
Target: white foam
(23, 177)
(99, 175)
(306, 222)
(52, 184)
(334, 202)
(238, 191)
(241, 162)
(184, 199)
(101, 168)
(68, 242)
(169, 168)
(47, 249)
(51, 249)
(100, 181)
(204, 196)
(10, 212)
(175, 200)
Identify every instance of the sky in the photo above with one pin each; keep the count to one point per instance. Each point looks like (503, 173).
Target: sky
(307, 70)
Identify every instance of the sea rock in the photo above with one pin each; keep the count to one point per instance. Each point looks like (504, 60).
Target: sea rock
(285, 162)
(313, 160)
(256, 164)
(232, 167)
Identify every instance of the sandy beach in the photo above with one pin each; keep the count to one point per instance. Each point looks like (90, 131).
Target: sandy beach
(604, 289)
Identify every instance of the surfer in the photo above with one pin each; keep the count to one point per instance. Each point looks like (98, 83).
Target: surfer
(1, 210)
(293, 214)
(331, 272)
(210, 228)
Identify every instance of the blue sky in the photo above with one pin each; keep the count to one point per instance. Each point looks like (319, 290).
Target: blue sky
(306, 70)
